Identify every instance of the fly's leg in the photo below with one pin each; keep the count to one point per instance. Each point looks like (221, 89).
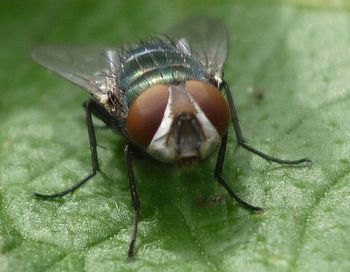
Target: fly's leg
(135, 202)
(218, 175)
(94, 160)
(239, 136)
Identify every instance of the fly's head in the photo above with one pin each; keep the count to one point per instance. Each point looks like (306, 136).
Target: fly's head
(178, 123)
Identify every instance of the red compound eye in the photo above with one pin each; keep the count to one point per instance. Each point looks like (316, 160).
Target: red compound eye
(146, 113)
(212, 103)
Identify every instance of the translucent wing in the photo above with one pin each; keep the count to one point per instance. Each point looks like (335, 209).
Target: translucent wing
(206, 36)
(91, 68)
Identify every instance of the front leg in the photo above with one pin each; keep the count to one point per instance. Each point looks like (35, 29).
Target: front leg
(135, 202)
(239, 136)
(218, 175)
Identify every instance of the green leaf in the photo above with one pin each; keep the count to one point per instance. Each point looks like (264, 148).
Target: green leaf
(296, 54)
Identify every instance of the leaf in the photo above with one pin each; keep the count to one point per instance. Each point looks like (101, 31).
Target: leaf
(296, 56)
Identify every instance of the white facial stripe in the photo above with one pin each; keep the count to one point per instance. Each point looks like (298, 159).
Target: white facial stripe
(158, 146)
(162, 147)
(211, 135)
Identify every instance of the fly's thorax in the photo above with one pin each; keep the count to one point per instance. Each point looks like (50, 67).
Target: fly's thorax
(178, 122)
(155, 62)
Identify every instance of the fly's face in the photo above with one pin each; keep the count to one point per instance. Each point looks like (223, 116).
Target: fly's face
(178, 122)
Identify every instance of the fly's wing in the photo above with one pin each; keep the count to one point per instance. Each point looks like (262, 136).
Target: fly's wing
(207, 37)
(91, 68)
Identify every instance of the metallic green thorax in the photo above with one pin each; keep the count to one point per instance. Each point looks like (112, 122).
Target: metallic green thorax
(157, 61)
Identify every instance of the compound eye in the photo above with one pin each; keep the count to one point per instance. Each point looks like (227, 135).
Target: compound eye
(146, 113)
(212, 103)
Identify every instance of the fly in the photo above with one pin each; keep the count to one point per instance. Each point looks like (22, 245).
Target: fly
(164, 95)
